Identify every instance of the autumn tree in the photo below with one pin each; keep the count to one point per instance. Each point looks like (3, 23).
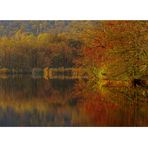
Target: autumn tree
(129, 41)
(117, 50)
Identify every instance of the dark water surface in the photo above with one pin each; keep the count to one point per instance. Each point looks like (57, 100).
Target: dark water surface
(25, 101)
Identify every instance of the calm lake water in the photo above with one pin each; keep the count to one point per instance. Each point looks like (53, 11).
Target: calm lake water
(25, 101)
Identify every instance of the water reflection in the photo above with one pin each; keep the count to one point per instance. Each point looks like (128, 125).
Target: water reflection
(25, 101)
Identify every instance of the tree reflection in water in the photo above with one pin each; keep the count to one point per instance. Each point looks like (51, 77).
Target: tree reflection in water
(37, 102)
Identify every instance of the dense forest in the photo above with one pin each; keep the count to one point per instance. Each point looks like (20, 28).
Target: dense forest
(115, 50)
(30, 44)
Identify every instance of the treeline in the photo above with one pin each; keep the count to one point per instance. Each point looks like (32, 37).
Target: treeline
(115, 50)
(25, 45)
(25, 50)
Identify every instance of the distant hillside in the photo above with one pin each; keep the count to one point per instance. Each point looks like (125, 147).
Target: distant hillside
(8, 28)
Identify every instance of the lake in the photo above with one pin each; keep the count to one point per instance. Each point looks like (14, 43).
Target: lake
(27, 101)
